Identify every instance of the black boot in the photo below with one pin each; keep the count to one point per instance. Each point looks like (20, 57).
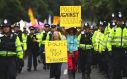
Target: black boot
(12, 77)
(73, 74)
(29, 69)
(70, 75)
(35, 68)
(48, 67)
(57, 77)
(88, 76)
(83, 76)
(19, 70)
(44, 67)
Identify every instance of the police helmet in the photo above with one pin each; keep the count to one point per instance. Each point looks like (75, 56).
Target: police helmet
(113, 15)
(32, 28)
(86, 25)
(6, 23)
(100, 24)
(112, 24)
(105, 23)
(53, 26)
(17, 25)
(47, 25)
(119, 16)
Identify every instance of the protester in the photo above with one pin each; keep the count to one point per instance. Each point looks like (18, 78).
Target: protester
(55, 68)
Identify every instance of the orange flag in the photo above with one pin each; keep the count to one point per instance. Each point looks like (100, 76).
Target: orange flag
(56, 20)
(32, 19)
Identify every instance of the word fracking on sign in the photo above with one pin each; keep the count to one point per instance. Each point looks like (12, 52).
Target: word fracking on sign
(56, 51)
(70, 16)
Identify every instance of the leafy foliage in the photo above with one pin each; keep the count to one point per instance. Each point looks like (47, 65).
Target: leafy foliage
(91, 9)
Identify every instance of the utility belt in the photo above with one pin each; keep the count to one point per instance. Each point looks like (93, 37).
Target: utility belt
(7, 53)
(85, 47)
(117, 47)
(7, 57)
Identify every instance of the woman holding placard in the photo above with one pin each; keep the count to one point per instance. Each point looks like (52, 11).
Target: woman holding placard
(72, 46)
(55, 68)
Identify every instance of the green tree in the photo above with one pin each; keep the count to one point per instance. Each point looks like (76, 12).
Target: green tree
(11, 9)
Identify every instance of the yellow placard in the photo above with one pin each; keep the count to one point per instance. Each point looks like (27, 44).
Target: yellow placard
(56, 51)
(70, 16)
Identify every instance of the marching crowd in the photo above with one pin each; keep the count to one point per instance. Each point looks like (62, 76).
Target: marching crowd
(104, 48)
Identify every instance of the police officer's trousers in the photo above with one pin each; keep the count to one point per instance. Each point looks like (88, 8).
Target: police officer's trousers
(32, 58)
(7, 68)
(124, 63)
(106, 62)
(86, 61)
(117, 54)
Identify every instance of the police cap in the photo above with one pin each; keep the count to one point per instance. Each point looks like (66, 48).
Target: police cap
(47, 25)
(32, 28)
(53, 26)
(17, 25)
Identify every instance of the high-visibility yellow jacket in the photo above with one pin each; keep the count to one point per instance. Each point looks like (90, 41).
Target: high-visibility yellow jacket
(107, 38)
(24, 41)
(119, 37)
(98, 41)
(11, 46)
(85, 41)
(39, 38)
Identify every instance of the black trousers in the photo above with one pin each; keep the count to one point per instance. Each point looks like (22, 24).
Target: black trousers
(8, 68)
(117, 58)
(19, 64)
(43, 55)
(44, 61)
(55, 70)
(85, 61)
(105, 63)
(32, 58)
(45, 65)
(124, 64)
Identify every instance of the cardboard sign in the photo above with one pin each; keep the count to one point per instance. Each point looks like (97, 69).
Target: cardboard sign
(70, 16)
(56, 51)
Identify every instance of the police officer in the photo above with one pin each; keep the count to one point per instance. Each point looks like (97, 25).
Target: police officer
(99, 46)
(22, 37)
(106, 58)
(85, 50)
(10, 49)
(25, 31)
(125, 54)
(46, 37)
(118, 47)
(32, 49)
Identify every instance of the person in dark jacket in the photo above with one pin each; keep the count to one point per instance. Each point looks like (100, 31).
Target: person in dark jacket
(32, 49)
(85, 50)
(10, 49)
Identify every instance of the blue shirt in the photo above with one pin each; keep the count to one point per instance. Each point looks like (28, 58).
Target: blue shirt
(72, 43)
